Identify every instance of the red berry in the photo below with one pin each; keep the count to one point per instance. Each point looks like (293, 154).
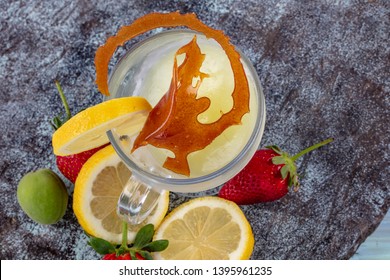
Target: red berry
(267, 177)
(71, 165)
(139, 257)
(259, 181)
(111, 256)
(125, 256)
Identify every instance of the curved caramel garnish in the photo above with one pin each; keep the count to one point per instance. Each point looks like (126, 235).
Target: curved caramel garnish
(173, 124)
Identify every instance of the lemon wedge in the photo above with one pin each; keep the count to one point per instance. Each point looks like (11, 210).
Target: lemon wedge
(96, 193)
(206, 228)
(87, 129)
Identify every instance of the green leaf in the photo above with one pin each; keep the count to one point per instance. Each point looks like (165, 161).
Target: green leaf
(156, 246)
(144, 236)
(56, 123)
(275, 148)
(121, 250)
(290, 182)
(284, 171)
(101, 246)
(278, 160)
(146, 255)
(295, 181)
(132, 255)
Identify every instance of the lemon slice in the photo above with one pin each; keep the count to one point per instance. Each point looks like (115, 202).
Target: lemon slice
(206, 228)
(96, 193)
(87, 129)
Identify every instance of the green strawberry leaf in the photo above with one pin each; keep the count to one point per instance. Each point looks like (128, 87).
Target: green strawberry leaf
(275, 148)
(284, 171)
(156, 246)
(121, 250)
(101, 246)
(56, 123)
(146, 255)
(144, 236)
(132, 254)
(278, 160)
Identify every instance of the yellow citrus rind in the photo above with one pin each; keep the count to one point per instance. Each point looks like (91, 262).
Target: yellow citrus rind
(96, 193)
(87, 129)
(206, 228)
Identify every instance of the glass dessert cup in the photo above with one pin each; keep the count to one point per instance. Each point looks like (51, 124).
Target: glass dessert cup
(146, 71)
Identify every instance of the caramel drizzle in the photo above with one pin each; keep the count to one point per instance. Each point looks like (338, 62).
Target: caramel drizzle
(173, 123)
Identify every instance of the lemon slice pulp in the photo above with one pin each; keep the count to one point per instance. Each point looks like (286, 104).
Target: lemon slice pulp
(206, 228)
(96, 193)
(87, 129)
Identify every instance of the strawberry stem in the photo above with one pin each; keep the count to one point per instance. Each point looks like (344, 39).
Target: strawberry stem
(63, 99)
(311, 148)
(124, 235)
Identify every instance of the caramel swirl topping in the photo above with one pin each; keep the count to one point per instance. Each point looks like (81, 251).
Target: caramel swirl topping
(172, 124)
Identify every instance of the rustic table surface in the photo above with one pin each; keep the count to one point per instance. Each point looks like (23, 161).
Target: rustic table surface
(324, 66)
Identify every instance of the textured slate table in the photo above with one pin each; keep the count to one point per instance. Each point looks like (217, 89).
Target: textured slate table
(324, 66)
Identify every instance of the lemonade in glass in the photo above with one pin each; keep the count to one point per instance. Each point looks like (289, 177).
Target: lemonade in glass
(146, 71)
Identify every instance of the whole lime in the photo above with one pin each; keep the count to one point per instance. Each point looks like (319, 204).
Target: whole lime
(43, 196)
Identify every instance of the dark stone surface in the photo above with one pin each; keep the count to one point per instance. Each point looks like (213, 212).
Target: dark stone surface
(324, 66)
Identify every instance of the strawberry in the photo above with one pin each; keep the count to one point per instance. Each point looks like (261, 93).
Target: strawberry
(126, 256)
(140, 249)
(70, 166)
(111, 256)
(267, 177)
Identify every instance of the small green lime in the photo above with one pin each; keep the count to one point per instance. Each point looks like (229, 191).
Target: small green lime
(43, 196)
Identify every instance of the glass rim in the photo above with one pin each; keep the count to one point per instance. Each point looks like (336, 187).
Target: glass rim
(257, 133)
